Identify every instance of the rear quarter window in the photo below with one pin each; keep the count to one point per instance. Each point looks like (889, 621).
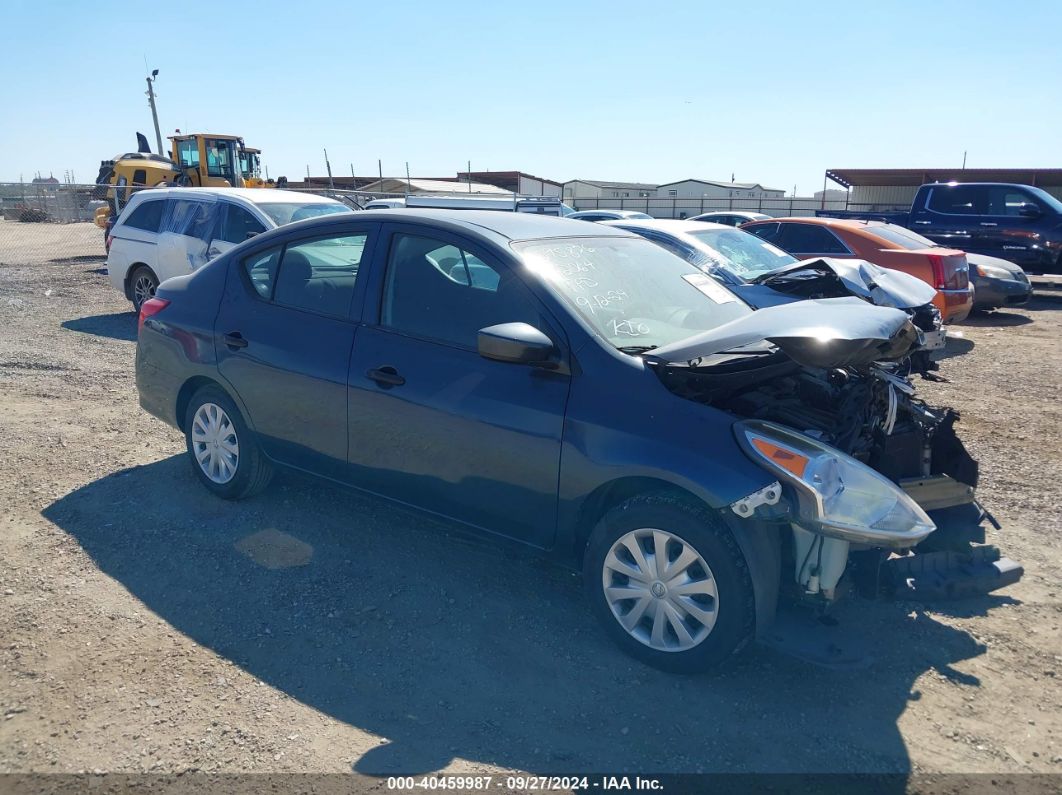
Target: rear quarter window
(147, 215)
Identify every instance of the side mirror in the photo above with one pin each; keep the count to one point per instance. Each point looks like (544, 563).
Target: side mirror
(1029, 210)
(518, 343)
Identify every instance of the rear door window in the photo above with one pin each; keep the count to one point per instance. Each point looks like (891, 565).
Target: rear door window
(319, 275)
(146, 216)
(959, 199)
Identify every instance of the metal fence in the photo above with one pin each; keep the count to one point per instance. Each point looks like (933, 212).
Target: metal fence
(677, 207)
(69, 209)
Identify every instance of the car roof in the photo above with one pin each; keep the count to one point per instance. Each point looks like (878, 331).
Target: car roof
(604, 211)
(842, 223)
(673, 225)
(732, 212)
(498, 224)
(253, 195)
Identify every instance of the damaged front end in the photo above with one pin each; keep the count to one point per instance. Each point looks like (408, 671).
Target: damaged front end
(829, 277)
(874, 488)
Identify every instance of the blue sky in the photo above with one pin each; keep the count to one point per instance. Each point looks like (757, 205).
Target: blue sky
(641, 91)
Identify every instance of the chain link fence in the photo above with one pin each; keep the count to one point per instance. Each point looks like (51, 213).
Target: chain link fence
(52, 222)
(49, 221)
(677, 207)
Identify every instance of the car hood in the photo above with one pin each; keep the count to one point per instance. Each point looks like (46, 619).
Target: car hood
(829, 332)
(880, 286)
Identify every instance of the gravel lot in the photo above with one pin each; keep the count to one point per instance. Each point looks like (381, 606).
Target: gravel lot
(147, 626)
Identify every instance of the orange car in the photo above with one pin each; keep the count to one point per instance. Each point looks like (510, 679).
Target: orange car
(887, 245)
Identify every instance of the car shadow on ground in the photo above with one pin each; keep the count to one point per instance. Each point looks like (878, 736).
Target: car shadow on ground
(956, 346)
(997, 318)
(1042, 303)
(449, 647)
(116, 325)
(79, 259)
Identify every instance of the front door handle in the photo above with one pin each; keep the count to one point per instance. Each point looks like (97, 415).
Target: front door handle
(985, 223)
(386, 376)
(235, 340)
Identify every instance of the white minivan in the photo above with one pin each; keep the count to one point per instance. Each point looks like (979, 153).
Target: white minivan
(168, 232)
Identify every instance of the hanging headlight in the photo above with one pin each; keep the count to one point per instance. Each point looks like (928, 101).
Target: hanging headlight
(837, 495)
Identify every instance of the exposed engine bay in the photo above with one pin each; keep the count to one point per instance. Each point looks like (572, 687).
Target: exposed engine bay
(868, 411)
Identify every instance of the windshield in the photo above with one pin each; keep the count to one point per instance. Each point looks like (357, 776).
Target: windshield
(289, 212)
(744, 255)
(898, 235)
(632, 292)
(1046, 198)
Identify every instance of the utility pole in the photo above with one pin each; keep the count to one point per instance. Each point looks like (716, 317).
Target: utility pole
(154, 111)
(469, 176)
(328, 167)
(963, 159)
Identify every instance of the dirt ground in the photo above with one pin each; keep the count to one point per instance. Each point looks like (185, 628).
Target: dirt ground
(147, 626)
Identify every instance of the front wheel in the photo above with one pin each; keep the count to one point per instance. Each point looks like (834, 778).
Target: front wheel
(224, 453)
(668, 581)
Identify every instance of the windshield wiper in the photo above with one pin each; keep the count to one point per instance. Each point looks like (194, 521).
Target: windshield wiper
(634, 350)
(740, 352)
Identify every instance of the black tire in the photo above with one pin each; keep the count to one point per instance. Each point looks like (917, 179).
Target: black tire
(142, 285)
(701, 529)
(253, 469)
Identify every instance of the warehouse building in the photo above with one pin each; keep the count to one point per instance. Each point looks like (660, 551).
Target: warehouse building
(402, 185)
(514, 182)
(711, 189)
(605, 189)
(885, 189)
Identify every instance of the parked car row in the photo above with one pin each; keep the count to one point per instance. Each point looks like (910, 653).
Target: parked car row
(694, 430)
(1019, 223)
(168, 232)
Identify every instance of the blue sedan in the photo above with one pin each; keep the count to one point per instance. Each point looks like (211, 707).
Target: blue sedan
(572, 388)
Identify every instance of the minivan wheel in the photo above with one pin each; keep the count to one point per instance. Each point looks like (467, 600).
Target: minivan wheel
(142, 286)
(666, 578)
(224, 452)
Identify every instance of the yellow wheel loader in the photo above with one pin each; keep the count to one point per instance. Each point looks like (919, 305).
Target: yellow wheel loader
(196, 160)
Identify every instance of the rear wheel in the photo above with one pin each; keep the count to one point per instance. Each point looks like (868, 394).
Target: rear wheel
(224, 452)
(142, 286)
(669, 583)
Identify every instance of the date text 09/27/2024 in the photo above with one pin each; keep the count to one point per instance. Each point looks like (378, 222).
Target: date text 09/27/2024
(524, 783)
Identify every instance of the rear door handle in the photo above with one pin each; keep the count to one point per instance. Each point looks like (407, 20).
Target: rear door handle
(235, 340)
(385, 376)
(983, 223)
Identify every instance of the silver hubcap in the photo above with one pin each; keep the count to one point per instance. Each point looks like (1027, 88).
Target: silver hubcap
(143, 289)
(214, 443)
(660, 589)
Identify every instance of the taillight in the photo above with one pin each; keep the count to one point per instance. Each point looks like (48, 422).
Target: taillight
(936, 261)
(950, 272)
(150, 308)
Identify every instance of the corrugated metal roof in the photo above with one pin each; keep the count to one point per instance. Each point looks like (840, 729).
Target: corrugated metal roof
(415, 185)
(597, 183)
(720, 184)
(881, 177)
